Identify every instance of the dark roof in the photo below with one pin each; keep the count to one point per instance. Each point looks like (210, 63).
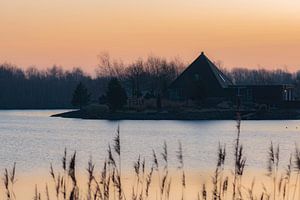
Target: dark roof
(205, 68)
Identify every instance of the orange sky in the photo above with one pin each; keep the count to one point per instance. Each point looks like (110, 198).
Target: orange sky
(254, 33)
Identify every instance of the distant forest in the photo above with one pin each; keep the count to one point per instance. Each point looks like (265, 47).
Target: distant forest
(53, 88)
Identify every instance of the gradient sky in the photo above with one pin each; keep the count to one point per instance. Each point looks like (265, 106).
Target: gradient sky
(240, 33)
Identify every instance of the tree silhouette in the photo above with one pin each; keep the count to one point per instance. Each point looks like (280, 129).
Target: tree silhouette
(81, 96)
(116, 95)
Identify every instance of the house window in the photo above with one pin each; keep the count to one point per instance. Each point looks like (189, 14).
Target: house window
(285, 95)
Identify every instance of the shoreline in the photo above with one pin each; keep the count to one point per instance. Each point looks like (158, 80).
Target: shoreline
(279, 114)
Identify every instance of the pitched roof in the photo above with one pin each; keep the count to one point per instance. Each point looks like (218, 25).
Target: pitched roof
(207, 70)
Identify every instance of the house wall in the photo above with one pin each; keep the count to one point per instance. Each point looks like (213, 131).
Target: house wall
(196, 86)
(267, 94)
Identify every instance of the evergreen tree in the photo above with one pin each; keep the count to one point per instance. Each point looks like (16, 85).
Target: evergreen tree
(116, 95)
(81, 96)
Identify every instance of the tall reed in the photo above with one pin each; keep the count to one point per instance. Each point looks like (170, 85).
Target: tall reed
(181, 167)
(117, 148)
(273, 163)
(218, 185)
(297, 168)
(240, 161)
(108, 185)
(9, 180)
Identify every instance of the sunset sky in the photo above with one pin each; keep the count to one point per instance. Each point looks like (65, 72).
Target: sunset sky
(240, 33)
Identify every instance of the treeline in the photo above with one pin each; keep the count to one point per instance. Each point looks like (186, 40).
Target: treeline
(32, 88)
(54, 87)
(261, 76)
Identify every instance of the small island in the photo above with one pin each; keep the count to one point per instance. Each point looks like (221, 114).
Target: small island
(201, 92)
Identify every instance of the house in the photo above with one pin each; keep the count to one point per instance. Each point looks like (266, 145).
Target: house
(202, 80)
(264, 94)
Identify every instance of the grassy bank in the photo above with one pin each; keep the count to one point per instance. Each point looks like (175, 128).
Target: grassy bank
(93, 112)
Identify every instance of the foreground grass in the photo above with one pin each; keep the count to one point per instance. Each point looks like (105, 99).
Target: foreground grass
(156, 181)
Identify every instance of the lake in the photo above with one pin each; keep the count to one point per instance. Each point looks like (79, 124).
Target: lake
(33, 140)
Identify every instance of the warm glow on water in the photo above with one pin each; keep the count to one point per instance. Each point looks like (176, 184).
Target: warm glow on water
(25, 186)
(33, 140)
(240, 33)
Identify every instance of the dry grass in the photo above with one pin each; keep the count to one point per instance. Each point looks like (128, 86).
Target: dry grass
(224, 184)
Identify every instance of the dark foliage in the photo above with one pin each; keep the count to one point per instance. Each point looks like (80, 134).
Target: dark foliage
(53, 87)
(81, 96)
(116, 95)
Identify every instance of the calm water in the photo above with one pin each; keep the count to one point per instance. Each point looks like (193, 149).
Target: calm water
(34, 140)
